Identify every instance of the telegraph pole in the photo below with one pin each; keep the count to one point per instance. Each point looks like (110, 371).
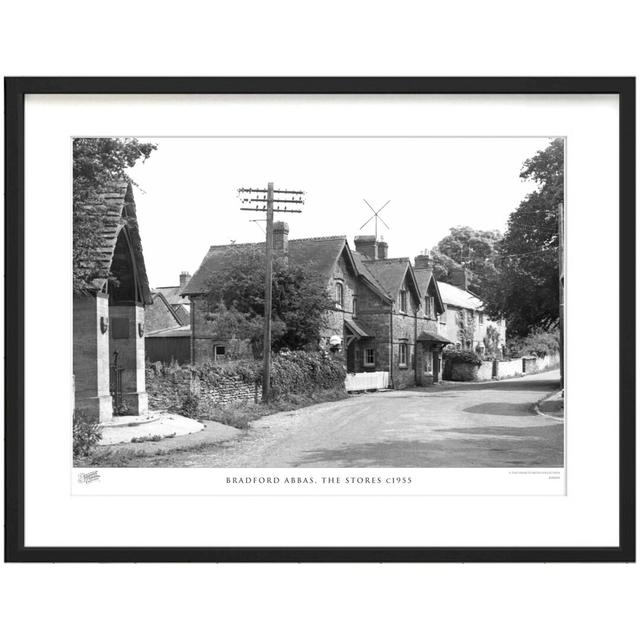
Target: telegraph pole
(561, 277)
(264, 200)
(268, 290)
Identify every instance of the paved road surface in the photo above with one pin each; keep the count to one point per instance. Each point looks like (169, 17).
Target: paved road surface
(471, 425)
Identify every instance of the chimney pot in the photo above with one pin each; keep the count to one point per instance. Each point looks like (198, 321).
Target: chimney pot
(460, 278)
(423, 261)
(281, 237)
(367, 246)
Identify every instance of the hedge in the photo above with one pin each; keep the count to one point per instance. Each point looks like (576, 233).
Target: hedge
(464, 356)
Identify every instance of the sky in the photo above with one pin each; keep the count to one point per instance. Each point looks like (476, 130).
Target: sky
(187, 191)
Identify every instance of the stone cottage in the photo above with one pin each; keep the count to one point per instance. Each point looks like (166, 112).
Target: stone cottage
(109, 316)
(382, 319)
(465, 322)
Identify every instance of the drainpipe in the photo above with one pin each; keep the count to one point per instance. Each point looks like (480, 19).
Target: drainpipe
(191, 320)
(391, 345)
(415, 347)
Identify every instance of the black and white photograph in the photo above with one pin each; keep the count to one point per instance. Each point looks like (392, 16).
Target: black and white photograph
(255, 302)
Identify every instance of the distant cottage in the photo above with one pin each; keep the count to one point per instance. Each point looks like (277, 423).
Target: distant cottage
(465, 321)
(168, 337)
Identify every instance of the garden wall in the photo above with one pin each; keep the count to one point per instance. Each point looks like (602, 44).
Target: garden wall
(467, 372)
(497, 369)
(169, 388)
(507, 368)
(191, 390)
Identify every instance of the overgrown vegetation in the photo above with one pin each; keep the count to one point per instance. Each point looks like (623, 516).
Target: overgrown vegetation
(241, 414)
(97, 164)
(236, 301)
(538, 343)
(465, 356)
(86, 435)
(470, 248)
(295, 377)
(526, 291)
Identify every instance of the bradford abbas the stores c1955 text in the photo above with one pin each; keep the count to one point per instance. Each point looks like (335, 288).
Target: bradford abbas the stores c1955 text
(360, 480)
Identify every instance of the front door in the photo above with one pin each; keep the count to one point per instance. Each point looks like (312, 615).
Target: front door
(436, 366)
(351, 357)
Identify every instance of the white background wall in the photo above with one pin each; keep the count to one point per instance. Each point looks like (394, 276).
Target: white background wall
(332, 38)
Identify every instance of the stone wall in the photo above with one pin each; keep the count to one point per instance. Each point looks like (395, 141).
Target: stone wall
(466, 372)
(169, 387)
(507, 368)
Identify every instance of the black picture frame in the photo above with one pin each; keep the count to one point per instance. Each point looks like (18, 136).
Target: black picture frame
(15, 91)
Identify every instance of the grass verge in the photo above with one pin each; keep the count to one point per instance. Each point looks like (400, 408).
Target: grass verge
(238, 415)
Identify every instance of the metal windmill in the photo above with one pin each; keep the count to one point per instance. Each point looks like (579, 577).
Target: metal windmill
(375, 217)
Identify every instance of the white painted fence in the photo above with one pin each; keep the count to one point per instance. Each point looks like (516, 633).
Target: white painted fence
(367, 381)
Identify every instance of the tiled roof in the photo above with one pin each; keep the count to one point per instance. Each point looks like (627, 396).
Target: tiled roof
(424, 277)
(182, 311)
(389, 272)
(320, 253)
(174, 332)
(458, 297)
(159, 299)
(355, 328)
(116, 209)
(172, 294)
(427, 336)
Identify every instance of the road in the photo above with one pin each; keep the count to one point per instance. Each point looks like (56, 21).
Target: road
(490, 424)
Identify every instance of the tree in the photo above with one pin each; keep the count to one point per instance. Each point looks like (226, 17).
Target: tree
(471, 248)
(525, 290)
(97, 164)
(299, 300)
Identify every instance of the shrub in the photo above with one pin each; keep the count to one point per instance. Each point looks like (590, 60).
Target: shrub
(86, 434)
(299, 372)
(537, 343)
(465, 356)
(190, 406)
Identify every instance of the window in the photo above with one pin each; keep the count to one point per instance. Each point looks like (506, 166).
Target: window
(369, 357)
(339, 294)
(219, 352)
(428, 307)
(480, 317)
(403, 301)
(402, 359)
(443, 317)
(354, 306)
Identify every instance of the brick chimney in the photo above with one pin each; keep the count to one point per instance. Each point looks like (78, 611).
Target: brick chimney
(185, 276)
(423, 261)
(460, 278)
(367, 246)
(280, 237)
(382, 249)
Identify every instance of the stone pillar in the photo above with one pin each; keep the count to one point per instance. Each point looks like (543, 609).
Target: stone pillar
(127, 338)
(91, 357)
